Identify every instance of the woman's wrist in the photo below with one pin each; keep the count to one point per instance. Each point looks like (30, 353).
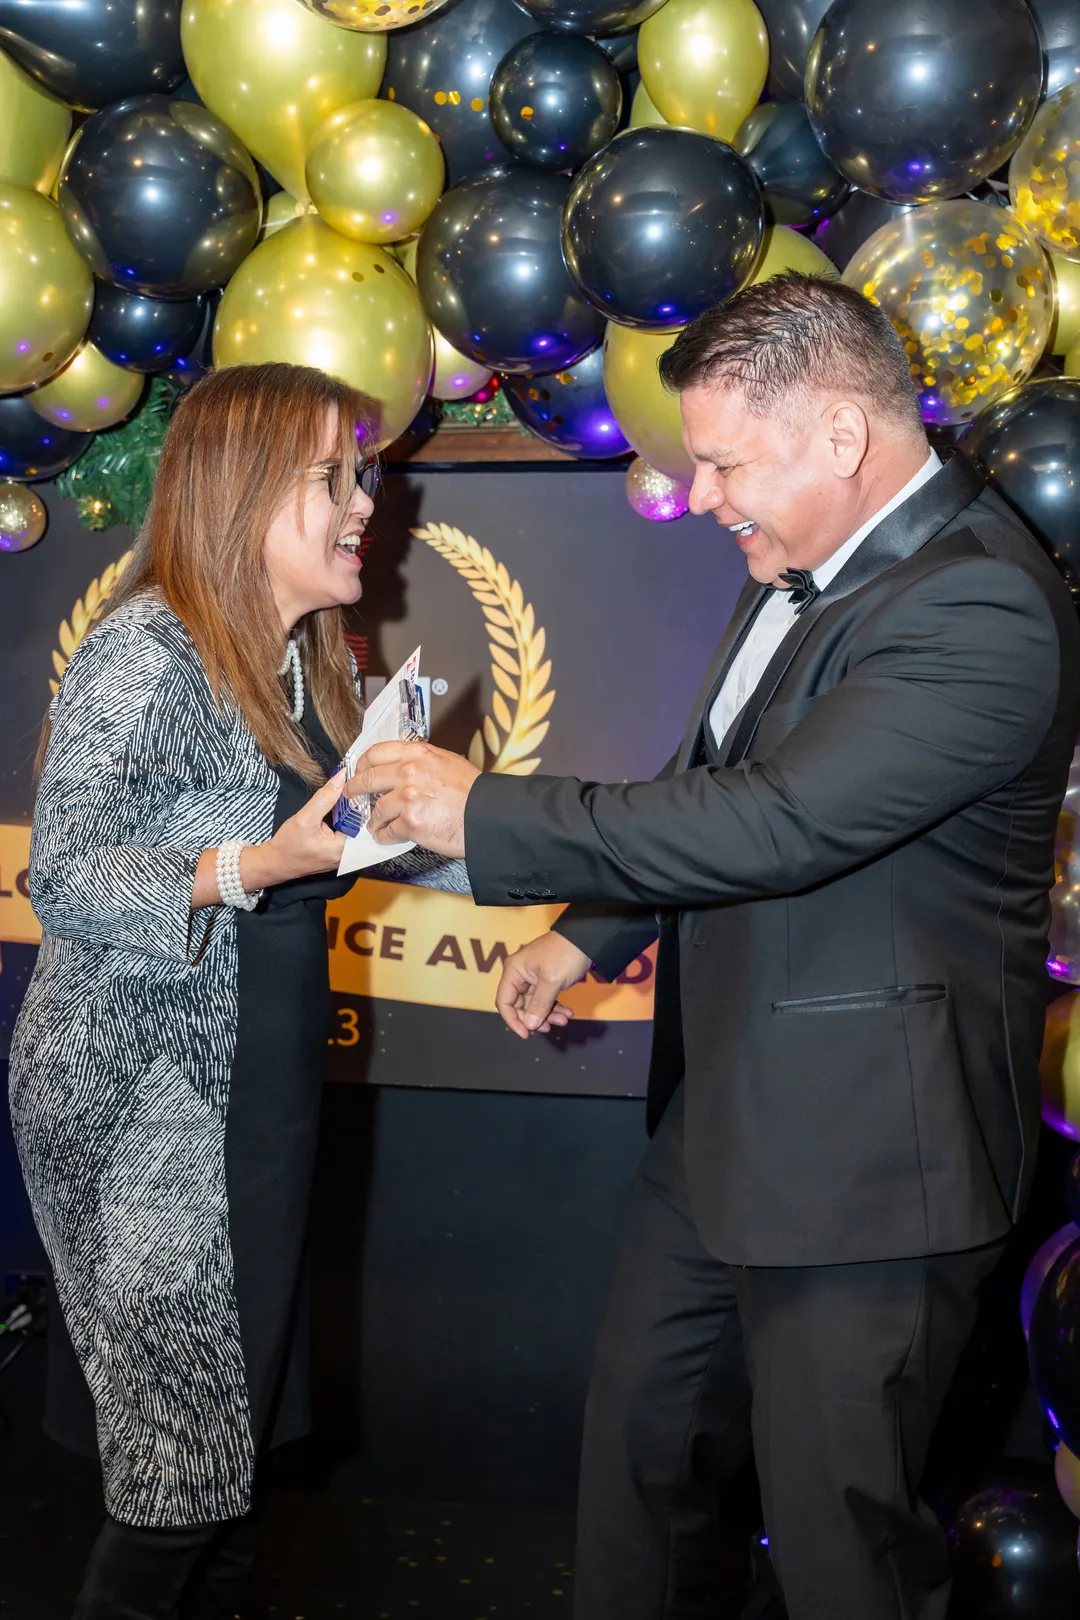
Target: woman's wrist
(257, 868)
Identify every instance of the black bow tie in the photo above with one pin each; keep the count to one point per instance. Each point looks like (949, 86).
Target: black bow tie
(800, 583)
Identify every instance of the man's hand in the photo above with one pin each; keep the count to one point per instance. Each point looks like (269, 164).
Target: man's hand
(424, 790)
(531, 981)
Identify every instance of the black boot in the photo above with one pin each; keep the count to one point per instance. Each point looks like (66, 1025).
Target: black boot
(220, 1583)
(138, 1573)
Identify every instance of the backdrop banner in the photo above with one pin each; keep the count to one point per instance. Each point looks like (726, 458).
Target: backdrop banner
(560, 633)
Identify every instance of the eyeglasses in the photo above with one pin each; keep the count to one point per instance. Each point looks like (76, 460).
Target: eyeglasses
(368, 477)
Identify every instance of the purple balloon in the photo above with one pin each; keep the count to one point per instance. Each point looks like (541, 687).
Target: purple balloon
(1041, 1261)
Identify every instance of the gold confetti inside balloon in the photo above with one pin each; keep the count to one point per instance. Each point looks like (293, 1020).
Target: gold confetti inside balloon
(785, 249)
(704, 63)
(312, 297)
(1044, 175)
(1065, 330)
(646, 412)
(273, 71)
(642, 111)
(653, 494)
(34, 130)
(969, 291)
(375, 171)
(373, 16)
(88, 394)
(22, 518)
(46, 290)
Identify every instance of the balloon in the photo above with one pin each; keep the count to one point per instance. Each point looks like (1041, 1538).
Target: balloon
(143, 334)
(281, 209)
(799, 182)
(1039, 1265)
(569, 409)
(188, 368)
(1067, 1476)
(642, 112)
(273, 71)
(1054, 1345)
(492, 278)
(915, 101)
(442, 70)
(591, 16)
(373, 16)
(1028, 447)
(186, 91)
(1044, 183)
(622, 49)
(22, 518)
(455, 376)
(1059, 24)
(648, 415)
(661, 224)
(374, 171)
(88, 394)
(46, 291)
(159, 197)
(1013, 1550)
(30, 448)
(1072, 1189)
(791, 25)
(968, 290)
(34, 130)
(311, 297)
(784, 249)
(654, 495)
(854, 222)
(1064, 959)
(704, 62)
(1065, 329)
(555, 100)
(95, 51)
(1059, 1067)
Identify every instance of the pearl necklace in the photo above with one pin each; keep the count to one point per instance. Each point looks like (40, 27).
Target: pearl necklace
(292, 660)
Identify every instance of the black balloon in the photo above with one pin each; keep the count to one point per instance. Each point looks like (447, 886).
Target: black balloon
(790, 25)
(199, 359)
(442, 68)
(842, 235)
(1054, 1346)
(799, 182)
(90, 52)
(622, 48)
(1027, 446)
(143, 334)
(160, 197)
(1013, 1550)
(490, 271)
(569, 409)
(186, 91)
(555, 100)
(661, 224)
(30, 447)
(1059, 24)
(917, 101)
(594, 17)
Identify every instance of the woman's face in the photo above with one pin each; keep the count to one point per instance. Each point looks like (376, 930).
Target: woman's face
(313, 556)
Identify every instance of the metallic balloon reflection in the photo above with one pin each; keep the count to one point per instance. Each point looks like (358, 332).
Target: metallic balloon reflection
(704, 63)
(654, 495)
(34, 130)
(32, 448)
(555, 100)
(971, 296)
(88, 394)
(1044, 175)
(375, 171)
(46, 291)
(648, 415)
(791, 26)
(1012, 1546)
(569, 409)
(1059, 24)
(90, 53)
(23, 518)
(373, 16)
(860, 214)
(799, 182)
(1064, 959)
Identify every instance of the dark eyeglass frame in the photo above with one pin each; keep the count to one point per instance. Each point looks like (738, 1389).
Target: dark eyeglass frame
(369, 476)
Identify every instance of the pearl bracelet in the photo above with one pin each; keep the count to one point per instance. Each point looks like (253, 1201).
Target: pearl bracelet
(229, 882)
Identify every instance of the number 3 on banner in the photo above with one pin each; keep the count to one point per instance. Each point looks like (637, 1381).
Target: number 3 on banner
(349, 1033)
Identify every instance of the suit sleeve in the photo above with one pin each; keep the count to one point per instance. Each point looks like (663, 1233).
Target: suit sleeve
(951, 687)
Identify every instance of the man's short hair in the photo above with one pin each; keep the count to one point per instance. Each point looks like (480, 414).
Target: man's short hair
(794, 337)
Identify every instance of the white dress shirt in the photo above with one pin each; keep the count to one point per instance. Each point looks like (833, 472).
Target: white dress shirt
(776, 616)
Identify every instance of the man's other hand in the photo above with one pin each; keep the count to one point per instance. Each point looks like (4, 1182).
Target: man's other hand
(531, 981)
(423, 795)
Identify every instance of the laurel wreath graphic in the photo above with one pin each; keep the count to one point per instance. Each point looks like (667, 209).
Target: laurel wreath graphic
(82, 615)
(508, 737)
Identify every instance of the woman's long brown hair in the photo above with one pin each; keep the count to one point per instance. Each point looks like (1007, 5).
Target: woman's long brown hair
(237, 448)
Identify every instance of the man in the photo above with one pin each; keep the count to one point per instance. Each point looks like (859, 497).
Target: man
(849, 858)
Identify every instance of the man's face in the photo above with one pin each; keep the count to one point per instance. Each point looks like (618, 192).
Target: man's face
(780, 483)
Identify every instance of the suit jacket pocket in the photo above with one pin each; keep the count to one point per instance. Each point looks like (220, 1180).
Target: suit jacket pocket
(890, 995)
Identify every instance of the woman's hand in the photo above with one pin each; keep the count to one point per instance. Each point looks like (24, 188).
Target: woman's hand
(302, 846)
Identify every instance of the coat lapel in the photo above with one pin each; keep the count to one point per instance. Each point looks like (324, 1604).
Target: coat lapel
(904, 532)
(745, 612)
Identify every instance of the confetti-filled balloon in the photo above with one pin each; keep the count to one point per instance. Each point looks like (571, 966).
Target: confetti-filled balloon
(34, 130)
(654, 495)
(22, 518)
(30, 447)
(46, 291)
(555, 100)
(569, 409)
(374, 171)
(799, 182)
(89, 394)
(648, 415)
(373, 16)
(969, 292)
(1044, 175)
(704, 63)
(92, 52)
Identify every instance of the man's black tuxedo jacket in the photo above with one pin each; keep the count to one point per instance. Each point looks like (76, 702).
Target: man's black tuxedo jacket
(852, 894)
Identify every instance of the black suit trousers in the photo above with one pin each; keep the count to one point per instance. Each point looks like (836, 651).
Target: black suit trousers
(834, 1374)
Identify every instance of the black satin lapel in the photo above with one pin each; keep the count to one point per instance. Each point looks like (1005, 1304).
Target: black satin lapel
(743, 615)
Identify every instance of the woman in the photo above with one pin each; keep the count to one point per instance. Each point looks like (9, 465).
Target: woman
(165, 1070)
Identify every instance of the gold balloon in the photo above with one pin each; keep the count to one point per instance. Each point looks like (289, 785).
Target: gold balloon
(1059, 1066)
(405, 254)
(968, 289)
(88, 394)
(784, 249)
(22, 518)
(704, 63)
(455, 375)
(46, 290)
(1067, 1478)
(1065, 331)
(281, 209)
(273, 72)
(312, 297)
(375, 171)
(642, 111)
(34, 130)
(1044, 174)
(646, 412)
(373, 16)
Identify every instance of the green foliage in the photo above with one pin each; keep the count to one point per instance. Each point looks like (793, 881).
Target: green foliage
(112, 480)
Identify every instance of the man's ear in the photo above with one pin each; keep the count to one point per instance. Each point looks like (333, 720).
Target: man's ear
(849, 436)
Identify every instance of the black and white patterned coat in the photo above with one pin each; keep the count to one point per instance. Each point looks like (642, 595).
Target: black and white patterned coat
(121, 1057)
